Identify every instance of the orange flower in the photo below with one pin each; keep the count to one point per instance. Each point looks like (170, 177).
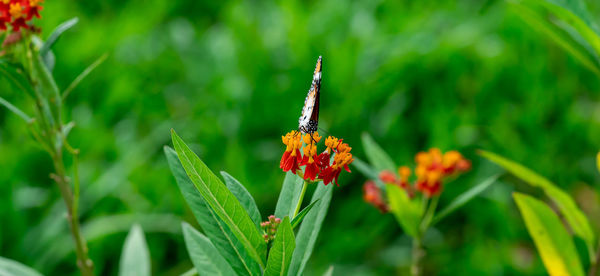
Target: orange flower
(316, 167)
(433, 167)
(17, 13)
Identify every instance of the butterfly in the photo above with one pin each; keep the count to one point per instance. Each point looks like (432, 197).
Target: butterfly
(309, 120)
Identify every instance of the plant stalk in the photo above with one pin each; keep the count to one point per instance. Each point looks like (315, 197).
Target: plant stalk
(417, 255)
(595, 262)
(304, 186)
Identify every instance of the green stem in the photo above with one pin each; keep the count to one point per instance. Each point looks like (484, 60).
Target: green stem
(595, 262)
(417, 255)
(304, 186)
(429, 214)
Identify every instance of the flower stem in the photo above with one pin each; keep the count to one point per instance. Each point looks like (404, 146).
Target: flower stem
(417, 255)
(304, 186)
(595, 262)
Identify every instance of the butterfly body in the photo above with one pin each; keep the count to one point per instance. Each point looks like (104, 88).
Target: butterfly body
(309, 120)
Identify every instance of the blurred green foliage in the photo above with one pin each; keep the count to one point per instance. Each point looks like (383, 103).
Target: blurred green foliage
(231, 76)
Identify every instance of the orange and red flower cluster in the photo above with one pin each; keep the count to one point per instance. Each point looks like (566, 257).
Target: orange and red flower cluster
(432, 169)
(18, 12)
(317, 166)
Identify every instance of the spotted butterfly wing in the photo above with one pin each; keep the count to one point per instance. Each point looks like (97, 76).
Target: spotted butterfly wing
(309, 120)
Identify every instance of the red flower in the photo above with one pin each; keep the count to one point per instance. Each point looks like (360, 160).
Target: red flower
(387, 177)
(341, 160)
(291, 157)
(372, 195)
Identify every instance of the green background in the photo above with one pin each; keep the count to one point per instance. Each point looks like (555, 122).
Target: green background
(231, 77)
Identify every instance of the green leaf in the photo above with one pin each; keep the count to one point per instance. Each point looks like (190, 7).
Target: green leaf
(15, 77)
(574, 216)
(368, 172)
(464, 198)
(551, 238)
(408, 212)
(281, 252)
(378, 158)
(204, 255)
(56, 33)
(310, 228)
(298, 218)
(289, 195)
(222, 201)
(83, 74)
(191, 272)
(565, 38)
(10, 267)
(245, 198)
(15, 110)
(329, 271)
(214, 227)
(135, 258)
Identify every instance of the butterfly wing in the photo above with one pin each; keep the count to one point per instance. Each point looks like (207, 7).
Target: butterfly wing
(309, 120)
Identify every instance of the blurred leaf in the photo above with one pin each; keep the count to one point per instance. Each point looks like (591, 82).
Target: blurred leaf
(464, 198)
(190, 272)
(49, 60)
(15, 110)
(378, 158)
(16, 78)
(135, 258)
(83, 74)
(329, 271)
(531, 15)
(598, 161)
(10, 267)
(406, 211)
(47, 88)
(368, 172)
(289, 195)
(247, 201)
(282, 249)
(56, 33)
(310, 228)
(298, 218)
(551, 238)
(222, 201)
(216, 230)
(204, 255)
(574, 216)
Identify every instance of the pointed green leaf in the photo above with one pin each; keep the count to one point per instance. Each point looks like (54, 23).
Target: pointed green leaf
(310, 228)
(551, 238)
(214, 227)
(135, 258)
(16, 77)
(329, 271)
(15, 110)
(10, 267)
(222, 201)
(378, 158)
(245, 198)
(298, 218)
(464, 198)
(368, 172)
(574, 216)
(83, 74)
(408, 212)
(289, 195)
(56, 33)
(204, 255)
(281, 252)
